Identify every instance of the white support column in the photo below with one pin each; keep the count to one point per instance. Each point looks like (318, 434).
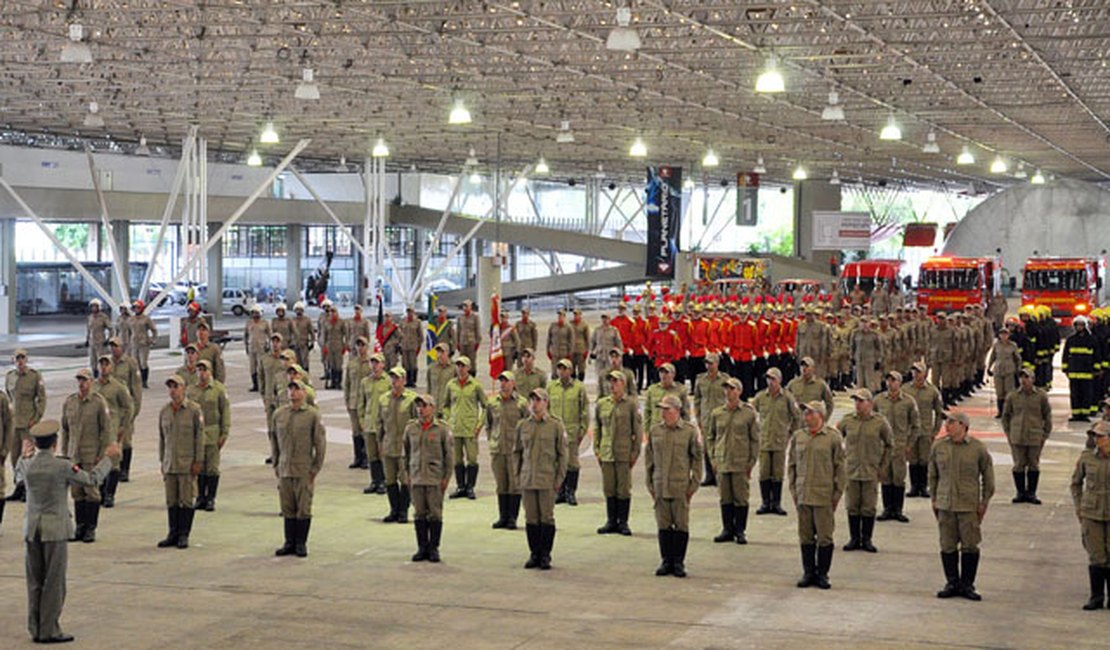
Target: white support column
(120, 274)
(418, 279)
(175, 189)
(9, 303)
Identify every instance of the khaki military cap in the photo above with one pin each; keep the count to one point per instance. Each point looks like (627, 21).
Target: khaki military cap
(894, 374)
(806, 361)
(1102, 428)
(104, 358)
(617, 351)
(667, 367)
(21, 352)
(578, 311)
(733, 382)
(1025, 372)
(276, 336)
(45, 429)
(669, 402)
(295, 369)
(462, 360)
(527, 352)
(377, 356)
(363, 340)
(615, 375)
(561, 312)
(919, 366)
(774, 372)
(526, 311)
(426, 399)
(115, 341)
(296, 383)
(958, 417)
(204, 363)
(712, 357)
(288, 354)
(397, 371)
(175, 379)
(191, 347)
(564, 363)
(816, 406)
(862, 394)
(507, 376)
(538, 393)
(443, 347)
(202, 325)
(83, 373)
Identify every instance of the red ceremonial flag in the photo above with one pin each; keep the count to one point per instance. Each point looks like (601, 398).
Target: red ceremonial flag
(496, 356)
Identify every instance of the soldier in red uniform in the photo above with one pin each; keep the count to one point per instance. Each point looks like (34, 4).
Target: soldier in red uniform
(665, 345)
(647, 325)
(625, 325)
(698, 344)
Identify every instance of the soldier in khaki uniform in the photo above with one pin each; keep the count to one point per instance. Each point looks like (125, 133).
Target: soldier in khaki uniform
(97, 331)
(1027, 421)
(27, 393)
(357, 369)
(357, 326)
(429, 451)
(900, 410)
(395, 409)
(412, 339)
(567, 400)
(468, 336)
(180, 453)
(618, 430)
(528, 333)
(616, 357)
(930, 411)
(256, 336)
(579, 344)
(503, 411)
(672, 463)
(298, 443)
(809, 386)
(510, 340)
(211, 395)
(1090, 483)
(86, 433)
(868, 444)
(815, 469)
(7, 434)
(560, 339)
(463, 407)
(121, 411)
(667, 385)
(1003, 364)
(304, 334)
(528, 376)
(280, 324)
(604, 339)
(188, 370)
(813, 341)
(779, 418)
(333, 345)
(867, 346)
(961, 480)
(732, 442)
(143, 335)
(210, 351)
(370, 392)
(440, 373)
(126, 370)
(941, 356)
(539, 466)
(709, 393)
(272, 379)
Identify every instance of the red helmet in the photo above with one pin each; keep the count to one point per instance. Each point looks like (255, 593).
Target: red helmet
(194, 306)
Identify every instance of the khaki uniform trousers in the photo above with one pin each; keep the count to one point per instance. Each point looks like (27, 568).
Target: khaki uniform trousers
(539, 507)
(142, 355)
(85, 492)
(356, 426)
(15, 450)
(1096, 539)
(616, 479)
(1003, 384)
(672, 514)
(861, 498)
(733, 488)
(816, 525)
(394, 466)
(1026, 457)
(503, 474)
(920, 446)
(409, 359)
(772, 465)
(255, 361)
(574, 443)
(893, 472)
(373, 450)
(959, 531)
(296, 497)
(467, 447)
(210, 463)
(427, 502)
(181, 490)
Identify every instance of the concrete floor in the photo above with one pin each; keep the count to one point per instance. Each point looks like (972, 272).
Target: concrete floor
(358, 589)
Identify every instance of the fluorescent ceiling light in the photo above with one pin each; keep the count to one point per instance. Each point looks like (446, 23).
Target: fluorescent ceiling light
(834, 179)
(759, 167)
(459, 114)
(623, 38)
(834, 112)
(770, 80)
(269, 135)
(307, 89)
(891, 131)
(541, 166)
(92, 118)
(472, 159)
(565, 135)
(710, 159)
(999, 166)
(931, 145)
(475, 178)
(254, 160)
(800, 173)
(381, 150)
(1037, 179)
(965, 157)
(638, 149)
(1020, 173)
(76, 50)
(142, 149)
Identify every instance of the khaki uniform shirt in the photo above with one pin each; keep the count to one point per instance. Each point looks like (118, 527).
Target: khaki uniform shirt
(1027, 417)
(502, 416)
(429, 452)
(942, 346)
(539, 450)
(468, 334)
(815, 467)
(580, 337)
(394, 413)
(126, 370)
(708, 395)
(673, 460)
(272, 382)
(905, 423)
(868, 444)
(99, 329)
(354, 372)
(618, 430)
(568, 402)
(812, 340)
(180, 437)
(215, 356)
(655, 393)
(86, 428)
(303, 331)
(412, 334)
(143, 332)
(216, 408)
(370, 393)
(526, 381)
(121, 408)
(256, 336)
(298, 441)
(606, 338)
(868, 347)
(1090, 485)
(356, 328)
(560, 341)
(779, 417)
(190, 376)
(814, 390)
(28, 395)
(529, 336)
(1004, 358)
(732, 438)
(961, 476)
(438, 378)
(463, 407)
(930, 407)
(284, 326)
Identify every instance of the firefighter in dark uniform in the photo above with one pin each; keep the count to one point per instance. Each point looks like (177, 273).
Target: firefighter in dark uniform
(1081, 362)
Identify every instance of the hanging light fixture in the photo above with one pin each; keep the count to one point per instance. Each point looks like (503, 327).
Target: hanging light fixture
(475, 178)
(1037, 179)
(688, 184)
(638, 149)
(834, 112)
(471, 159)
(380, 150)
(931, 145)
(269, 134)
(307, 89)
(254, 160)
(623, 38)
(891, 131)
(92, 118)
(835, 178)
(142, 149)
(541, 166)
(770, 80)
(565, 135)
(759, 167)
(710, 159)
(800, 173)
(459, 113)
(998, 165)
(965, 157)
(76, 50)
(1020, 172)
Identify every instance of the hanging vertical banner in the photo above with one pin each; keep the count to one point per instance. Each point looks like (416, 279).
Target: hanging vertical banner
(747, 199)
(664, 209)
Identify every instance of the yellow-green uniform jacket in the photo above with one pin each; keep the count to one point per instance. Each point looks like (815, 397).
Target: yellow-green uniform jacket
(298, 441)
(394, 412)
(86, 428)
(438, 378)
(868, 443)
(429, 452)
(815, 467)
(126, 370)
(272, 382)
(1027, 417)
(708, 395)
(526, 382)
(569, 403)
(502, 416)
(657, 392)
(539, 451)
(732, 438)
(560, 341)
(121, 407)
(464, 406)
(813, 390)
(779, 417)
(28, 395)
(370, 394)
(961, 476)
(618, 429)
(354, 372)
(216, 409)
(180, 437)
(673, 460)
(930, 407)
(215, 356)
(1090, 485)
(905, 422)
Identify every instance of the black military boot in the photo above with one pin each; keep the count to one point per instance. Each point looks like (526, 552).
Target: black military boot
(1019, 486)
(951, 564)
(924, 492)
(19, 494)
(435, 529)
(623, 506)
(998, 413)
(185, 517)
(776, 498)
(887, 514)
(460, 483)
(145, 373)
(867, 528)
(809, 566)
(286, 549)
(915, 482)
(377, 476)
(532, 531)
(824, 563)
(405, 499)
(666, 565)
(678, 553)
(502, 506)
(1098, 586)
(79, 520)
(969, 567)
(547, 541)
(110, 485)
(710, 477)
(610, 517)
(254, 382)
(765, 494)
(571, 485)
(421, 528)
(393, 492)
(92, 518)
(174, 523)
(125, 466)
(740, 524)
(561, 495)
(512, 511)
(854, 532)
(1033, 477)
(728, 517)
(2, 503)
(898, 496)
(358, 444)
(301, 547)
(471, 481)
(213, 486)
(202, 490)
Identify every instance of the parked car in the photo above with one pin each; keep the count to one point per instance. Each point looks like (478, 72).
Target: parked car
(237, 301)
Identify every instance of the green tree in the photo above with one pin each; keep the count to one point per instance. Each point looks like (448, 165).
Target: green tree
(75, 236)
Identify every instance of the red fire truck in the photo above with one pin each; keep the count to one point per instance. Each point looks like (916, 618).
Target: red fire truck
(947, 284)
(868, 274)
(1070, 286)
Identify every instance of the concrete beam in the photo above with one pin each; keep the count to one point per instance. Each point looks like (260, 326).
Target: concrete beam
(553, 285)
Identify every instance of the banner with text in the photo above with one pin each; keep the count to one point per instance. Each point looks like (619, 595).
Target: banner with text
(747, 199)
(663, 209)
(841, 230)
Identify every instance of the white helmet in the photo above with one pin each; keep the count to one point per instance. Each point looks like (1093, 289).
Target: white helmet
(280, 307)
(1080, 320)
(95, 302)
(256, 309)
(298, 305)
